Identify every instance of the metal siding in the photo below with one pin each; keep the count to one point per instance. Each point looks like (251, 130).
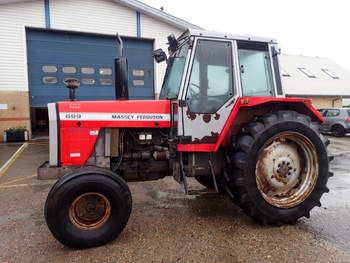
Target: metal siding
(92, 16)
(102, 16)
(83, 50)
(13, 18)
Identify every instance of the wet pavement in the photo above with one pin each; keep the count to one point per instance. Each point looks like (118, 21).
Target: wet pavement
(168, 226)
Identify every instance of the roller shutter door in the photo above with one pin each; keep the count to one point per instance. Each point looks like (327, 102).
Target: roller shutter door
(56, 55)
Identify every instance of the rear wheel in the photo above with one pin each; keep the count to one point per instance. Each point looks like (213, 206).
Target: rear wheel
(338, 131)
(277, 170)
(88, 207)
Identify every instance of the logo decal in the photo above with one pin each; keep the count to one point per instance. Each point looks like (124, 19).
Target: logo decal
(114, 116)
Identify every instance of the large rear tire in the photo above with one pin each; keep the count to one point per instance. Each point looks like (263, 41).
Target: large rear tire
(277, 168)
(88, 207)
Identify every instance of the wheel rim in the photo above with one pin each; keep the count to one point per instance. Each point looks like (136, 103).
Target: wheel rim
(287, 170)
(90, 211)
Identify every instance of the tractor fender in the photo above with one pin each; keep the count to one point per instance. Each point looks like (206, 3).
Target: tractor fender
(247, 108)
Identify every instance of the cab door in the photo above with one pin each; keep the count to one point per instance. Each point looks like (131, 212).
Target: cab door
(209, 91)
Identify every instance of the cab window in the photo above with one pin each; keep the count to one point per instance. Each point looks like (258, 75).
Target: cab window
(211, 82)
(255, 68)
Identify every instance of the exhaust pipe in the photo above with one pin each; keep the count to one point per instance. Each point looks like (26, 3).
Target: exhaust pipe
(121, 73)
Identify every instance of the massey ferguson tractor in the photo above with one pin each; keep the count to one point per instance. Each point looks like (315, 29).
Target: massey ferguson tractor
(222, 118)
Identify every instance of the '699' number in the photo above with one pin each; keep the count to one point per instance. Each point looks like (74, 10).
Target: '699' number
(73, 116)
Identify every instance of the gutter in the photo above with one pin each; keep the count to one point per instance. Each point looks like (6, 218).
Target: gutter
(157, 14)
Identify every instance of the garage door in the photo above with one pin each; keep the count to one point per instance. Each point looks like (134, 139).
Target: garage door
(54, 56)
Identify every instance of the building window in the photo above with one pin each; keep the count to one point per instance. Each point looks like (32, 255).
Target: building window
(50, 80)
(106, 81)
(330, 73)
(138, 72)
(285, 73)
(87, 81)
(138, 82)
(49, 69)
(307, 72)
(105, 71)
(87, 70)
(69, 70)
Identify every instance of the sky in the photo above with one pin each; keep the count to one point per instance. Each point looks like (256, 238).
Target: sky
(302, 27)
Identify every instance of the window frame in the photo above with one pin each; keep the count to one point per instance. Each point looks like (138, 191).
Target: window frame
(84, 79)
(259, 46)
(87, 67)
(102, 74)
(105, 79)
(138, 75)
(137, 82)
(189, 66)
(69, 66)
(49, 72)
(49, 83)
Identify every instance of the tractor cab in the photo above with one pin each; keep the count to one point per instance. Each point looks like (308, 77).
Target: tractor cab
(208, 71)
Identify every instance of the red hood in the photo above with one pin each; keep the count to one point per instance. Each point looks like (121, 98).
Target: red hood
(123, 113)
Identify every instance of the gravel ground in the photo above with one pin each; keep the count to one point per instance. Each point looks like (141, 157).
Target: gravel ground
(168, 226)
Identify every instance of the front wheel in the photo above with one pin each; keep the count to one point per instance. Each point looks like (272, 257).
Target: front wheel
(88, 207)
(278, 168)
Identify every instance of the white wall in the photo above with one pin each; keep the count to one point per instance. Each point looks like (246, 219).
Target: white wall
(13, 59)
(151, 28)
(92, 16)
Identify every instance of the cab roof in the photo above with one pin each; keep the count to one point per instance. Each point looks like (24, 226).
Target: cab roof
(214, 34)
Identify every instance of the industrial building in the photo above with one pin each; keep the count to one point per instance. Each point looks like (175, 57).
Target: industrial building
(319, 79)
(44, 42)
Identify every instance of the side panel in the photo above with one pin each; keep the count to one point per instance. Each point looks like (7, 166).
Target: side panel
(80, 123)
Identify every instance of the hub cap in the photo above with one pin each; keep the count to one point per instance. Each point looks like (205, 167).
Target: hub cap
(287, 170)
(90, 211)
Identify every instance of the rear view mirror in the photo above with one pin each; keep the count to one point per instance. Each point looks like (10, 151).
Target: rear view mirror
(159, 55)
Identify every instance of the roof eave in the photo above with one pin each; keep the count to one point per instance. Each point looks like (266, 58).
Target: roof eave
(318, 95)
(157, 14)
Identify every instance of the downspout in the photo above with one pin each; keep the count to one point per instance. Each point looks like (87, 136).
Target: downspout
(47, 14)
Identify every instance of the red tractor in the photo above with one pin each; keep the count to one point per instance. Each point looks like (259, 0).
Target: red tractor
(222, 118)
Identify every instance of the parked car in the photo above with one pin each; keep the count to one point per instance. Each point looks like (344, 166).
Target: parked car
(336, 121)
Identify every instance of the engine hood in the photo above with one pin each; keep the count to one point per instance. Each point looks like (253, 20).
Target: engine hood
(123, 113)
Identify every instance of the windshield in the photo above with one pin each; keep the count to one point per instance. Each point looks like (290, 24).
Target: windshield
(173, 75)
